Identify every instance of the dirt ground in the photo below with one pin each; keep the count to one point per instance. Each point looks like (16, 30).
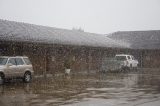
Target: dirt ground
(134, 88)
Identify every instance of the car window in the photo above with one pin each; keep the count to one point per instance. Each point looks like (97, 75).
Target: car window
(27, 61)
(12, 61)
(128, 57)
(3, 61)
(19, 61)
(133, 58)
(121, 58)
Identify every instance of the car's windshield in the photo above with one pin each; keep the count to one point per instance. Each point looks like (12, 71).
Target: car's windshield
(27, 61)
(3, 61)
(121, 58)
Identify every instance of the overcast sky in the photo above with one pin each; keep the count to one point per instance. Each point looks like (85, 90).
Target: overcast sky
(97, 16)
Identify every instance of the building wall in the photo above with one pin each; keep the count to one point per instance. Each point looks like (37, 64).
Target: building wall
(51, 58)
(151, 58)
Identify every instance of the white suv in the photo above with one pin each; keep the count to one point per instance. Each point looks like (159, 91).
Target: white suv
(128, 60)
(15, 67)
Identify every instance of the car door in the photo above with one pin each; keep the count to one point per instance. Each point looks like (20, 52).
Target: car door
(129, 61)
(20, 67)
(134, 62)
(11, 69)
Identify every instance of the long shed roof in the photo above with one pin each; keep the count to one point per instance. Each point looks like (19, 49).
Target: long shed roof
(23, 32)
(138, 39)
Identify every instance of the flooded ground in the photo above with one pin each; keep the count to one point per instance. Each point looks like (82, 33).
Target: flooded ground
(140, 88)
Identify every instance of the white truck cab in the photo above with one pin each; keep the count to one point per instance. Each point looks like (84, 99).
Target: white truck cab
(128, 60)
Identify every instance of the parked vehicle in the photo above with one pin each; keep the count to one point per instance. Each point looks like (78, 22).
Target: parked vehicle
(128, 61)
(120, 62)
(15, 67)
(111, 64)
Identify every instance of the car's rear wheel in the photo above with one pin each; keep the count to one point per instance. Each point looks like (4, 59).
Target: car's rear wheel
(1, 79)
(27, 77)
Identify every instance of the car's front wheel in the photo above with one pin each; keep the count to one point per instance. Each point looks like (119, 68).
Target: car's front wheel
(27, 77)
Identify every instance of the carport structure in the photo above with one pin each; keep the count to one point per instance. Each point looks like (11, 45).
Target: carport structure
(49, 47)
(147, 42)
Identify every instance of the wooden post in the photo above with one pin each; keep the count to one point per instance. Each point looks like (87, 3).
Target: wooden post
(89, 61)
(141, 58)
(45, 64)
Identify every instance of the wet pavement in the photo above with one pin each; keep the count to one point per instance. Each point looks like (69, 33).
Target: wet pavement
(140, 88)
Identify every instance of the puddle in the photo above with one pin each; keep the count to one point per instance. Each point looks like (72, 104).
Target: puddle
(123, 89)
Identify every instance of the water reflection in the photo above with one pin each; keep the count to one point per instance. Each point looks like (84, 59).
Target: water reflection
(124, 88)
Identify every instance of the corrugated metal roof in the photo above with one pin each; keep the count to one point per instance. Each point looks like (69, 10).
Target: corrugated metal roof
(138, 39)
(22, 32)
